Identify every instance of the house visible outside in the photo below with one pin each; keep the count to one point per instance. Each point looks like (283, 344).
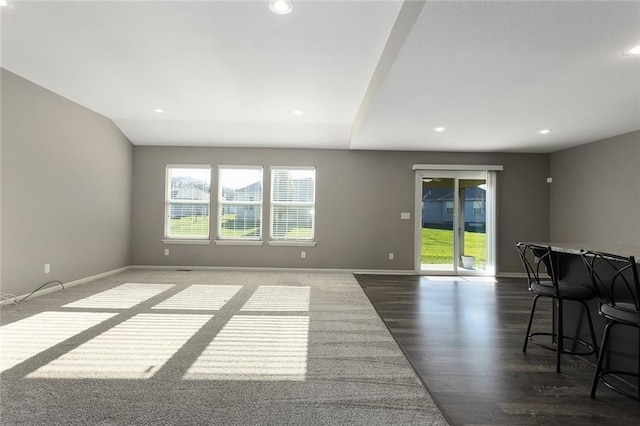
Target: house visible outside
(437, 239)
(253, 213)
(297, 191)
(438, 208)
(179, 210)
(246, 215)
(188, 204)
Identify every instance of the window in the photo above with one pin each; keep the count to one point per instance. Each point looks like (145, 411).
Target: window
(240, 203)
(187, 202)
(293, 198)
(478, 207)
(449, 207)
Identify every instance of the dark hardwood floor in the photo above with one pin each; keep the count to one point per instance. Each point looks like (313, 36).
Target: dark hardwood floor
(464, 338)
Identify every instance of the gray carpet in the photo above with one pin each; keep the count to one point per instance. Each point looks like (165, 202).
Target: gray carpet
(259, 357)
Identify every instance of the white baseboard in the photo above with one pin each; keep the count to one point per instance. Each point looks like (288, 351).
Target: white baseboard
(267, 269)
(384, 271)
(66, 285)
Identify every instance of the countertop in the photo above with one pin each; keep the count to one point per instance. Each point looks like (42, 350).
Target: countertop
(575, 248)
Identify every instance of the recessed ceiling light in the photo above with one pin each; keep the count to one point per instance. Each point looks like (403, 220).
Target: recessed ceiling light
(297, 112)
(633, 51)
(281, 7)
(545, 131)
(159, 111)
(3, 3)
(439, 129)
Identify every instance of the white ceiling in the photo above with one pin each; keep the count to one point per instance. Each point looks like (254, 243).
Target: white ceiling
(367, 74)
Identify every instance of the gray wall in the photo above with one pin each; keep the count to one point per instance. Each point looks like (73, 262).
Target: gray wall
(360, 195)
(66, 189)
(68, 176)
(595, 195)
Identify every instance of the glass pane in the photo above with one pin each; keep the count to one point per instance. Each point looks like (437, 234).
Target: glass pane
(473, 241)
(437, 224)
(190, 218)
(190, 184)
(292, 223)
(241, 184)
(237, 219)
(241, 221)
(297, 186)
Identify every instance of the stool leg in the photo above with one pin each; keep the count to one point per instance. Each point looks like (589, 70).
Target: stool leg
(560, 338)
(603, 349)
(591, 329)
(533, 309)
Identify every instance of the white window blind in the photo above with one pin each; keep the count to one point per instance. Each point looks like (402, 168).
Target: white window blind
(187, 201)
(240, 203)
(293, 198)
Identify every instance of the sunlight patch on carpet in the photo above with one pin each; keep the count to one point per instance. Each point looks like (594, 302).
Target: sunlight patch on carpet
(122, 297)
(200, 297)
(25, 338)
(134, 349)
(279, 298)
(256, 348)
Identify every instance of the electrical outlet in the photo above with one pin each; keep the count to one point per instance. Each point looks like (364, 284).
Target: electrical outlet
(166, 252)
(390, 256)
(303, 254)
(47, 268)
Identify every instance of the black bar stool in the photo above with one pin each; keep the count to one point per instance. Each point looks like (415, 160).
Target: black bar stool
(543, 279)
(615, 280)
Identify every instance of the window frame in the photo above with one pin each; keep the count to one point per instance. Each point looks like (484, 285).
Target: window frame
(222, 203)
(177, 239)
(310, 241)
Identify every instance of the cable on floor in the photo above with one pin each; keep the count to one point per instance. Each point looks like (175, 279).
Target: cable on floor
(38, 289)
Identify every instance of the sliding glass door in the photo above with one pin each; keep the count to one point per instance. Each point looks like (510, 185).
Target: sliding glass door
(455, 226)
(437, 249)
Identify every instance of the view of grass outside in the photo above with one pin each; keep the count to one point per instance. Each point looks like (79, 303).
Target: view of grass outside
(300, 233)
(198, 226)
(437, 246)
(240, 232)
(190, 226)
(232, 227)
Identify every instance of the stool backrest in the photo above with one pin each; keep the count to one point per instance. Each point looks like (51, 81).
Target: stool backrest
(614, 278)
(538, 263)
